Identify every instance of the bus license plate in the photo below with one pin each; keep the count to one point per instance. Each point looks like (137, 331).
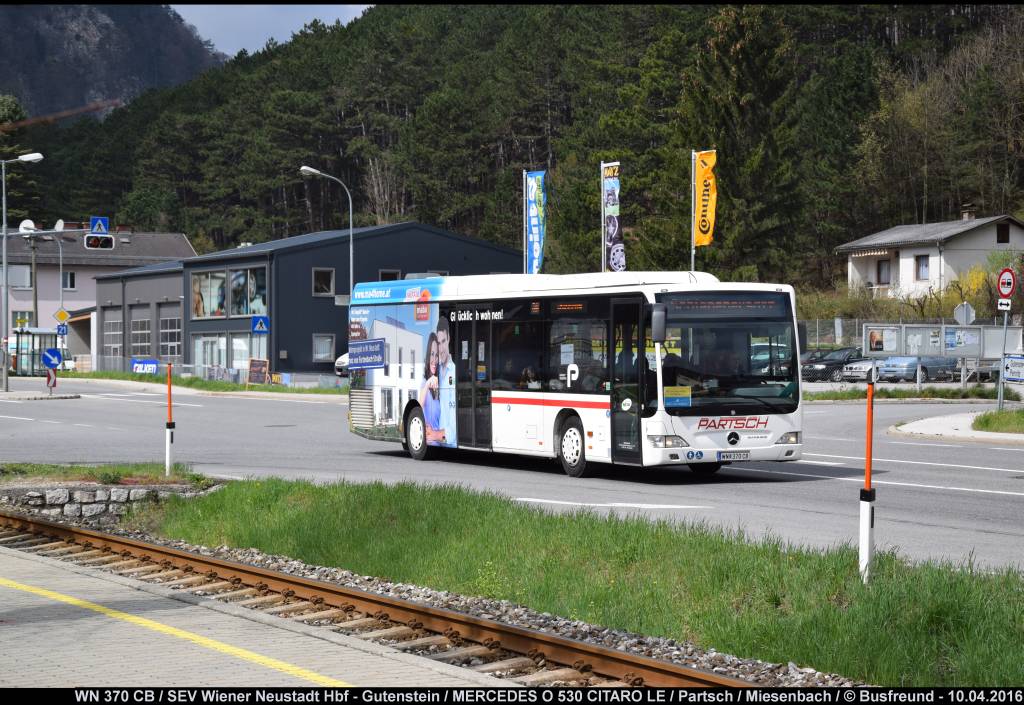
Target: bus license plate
(734, 455)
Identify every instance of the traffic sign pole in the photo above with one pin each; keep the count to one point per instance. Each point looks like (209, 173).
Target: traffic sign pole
(169, 434)
(1006, 284)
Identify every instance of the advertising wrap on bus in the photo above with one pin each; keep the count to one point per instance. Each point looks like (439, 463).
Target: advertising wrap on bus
(572, 367)
(405, 357)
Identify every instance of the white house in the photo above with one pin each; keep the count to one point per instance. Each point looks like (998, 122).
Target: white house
(400, 375)
(910, 260)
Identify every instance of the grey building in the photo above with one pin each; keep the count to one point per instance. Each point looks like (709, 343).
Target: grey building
(138, 314)
(298, 283)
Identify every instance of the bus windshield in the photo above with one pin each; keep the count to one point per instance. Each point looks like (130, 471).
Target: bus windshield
(729, 352)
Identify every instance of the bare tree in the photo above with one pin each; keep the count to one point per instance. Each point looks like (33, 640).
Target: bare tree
(385, 189)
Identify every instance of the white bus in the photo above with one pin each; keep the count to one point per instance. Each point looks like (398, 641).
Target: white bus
(632, 368)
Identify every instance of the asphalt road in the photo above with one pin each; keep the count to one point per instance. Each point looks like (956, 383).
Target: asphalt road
(936, 500)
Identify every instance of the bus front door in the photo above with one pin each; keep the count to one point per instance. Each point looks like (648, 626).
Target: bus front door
(472, 355)
(626, 365)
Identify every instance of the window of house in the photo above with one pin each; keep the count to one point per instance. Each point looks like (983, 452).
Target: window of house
(22, 319)
(1003, 234)
(209, 295)
(170, 337)
(883, 272)
(140, 341)
(112, 338)
(69, 281)
(387, 275)
(248, 291)
(323, 348)
(323, 282)
(20, 274)
(921, 267)
(245, 346)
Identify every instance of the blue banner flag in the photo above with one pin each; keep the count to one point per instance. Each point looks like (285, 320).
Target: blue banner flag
(536, 219)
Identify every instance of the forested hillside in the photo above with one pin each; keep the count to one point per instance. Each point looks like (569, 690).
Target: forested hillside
(58, 57)
(830, 122)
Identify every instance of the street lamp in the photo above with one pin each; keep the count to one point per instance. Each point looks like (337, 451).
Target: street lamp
(30, 158)
(310, 171)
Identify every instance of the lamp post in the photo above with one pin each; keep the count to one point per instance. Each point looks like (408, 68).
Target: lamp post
(310, 171)
(33, 157)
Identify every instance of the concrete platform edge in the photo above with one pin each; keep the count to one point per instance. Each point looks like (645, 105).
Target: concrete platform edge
(270, 620)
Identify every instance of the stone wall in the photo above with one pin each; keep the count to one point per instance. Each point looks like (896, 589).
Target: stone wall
(101, 504)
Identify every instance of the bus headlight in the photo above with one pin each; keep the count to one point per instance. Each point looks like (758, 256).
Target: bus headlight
(790, 438)
(667, 442)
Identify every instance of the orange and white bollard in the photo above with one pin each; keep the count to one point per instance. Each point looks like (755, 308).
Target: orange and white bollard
(867, 494)
(169, 434)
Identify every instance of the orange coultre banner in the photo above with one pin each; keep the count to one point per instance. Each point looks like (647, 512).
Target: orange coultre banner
(705, 198)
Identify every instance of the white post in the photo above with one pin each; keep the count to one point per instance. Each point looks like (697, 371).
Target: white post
(867, 532)
(525, 215)
(918, 374)
(1002, 362)
(693, 199)
(604, 250)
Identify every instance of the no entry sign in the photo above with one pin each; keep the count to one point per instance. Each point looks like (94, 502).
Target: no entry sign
(1007, 282)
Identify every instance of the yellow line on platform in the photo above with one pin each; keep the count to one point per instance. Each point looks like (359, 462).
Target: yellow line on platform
(213, 644)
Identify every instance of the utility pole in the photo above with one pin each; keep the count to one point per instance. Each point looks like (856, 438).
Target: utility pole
(35, 283)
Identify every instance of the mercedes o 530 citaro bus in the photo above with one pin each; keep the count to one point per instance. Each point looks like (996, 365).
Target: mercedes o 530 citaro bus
(632, 368)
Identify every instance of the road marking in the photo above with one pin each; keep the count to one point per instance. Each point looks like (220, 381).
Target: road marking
(819, 462)
(45, 421)
(136, 401)
(830, 438)
(84, 425)
(10, 401)
(17, 418)
(860, 480)
(213, 644)
(626, 505)
(1016, 450)
(293, 401)
(917, 462)
(930, 445)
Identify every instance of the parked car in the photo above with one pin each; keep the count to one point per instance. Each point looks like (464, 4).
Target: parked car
(830, 367)
(896, 369)
(857, 371)
(759, 359)
(811, 355)
(341, 366)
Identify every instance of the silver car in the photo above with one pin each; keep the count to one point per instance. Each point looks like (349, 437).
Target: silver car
(857, 371)
(895, 369)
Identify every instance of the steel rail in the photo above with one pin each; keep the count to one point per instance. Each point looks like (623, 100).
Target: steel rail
(631, 668)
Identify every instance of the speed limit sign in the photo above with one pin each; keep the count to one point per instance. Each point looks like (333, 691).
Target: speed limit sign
(1006, 283)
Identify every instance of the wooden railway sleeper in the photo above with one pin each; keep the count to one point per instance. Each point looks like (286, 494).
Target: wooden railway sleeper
(435, 640)
(516, 663)
(215, 586)
(461, 653)
(46, 546)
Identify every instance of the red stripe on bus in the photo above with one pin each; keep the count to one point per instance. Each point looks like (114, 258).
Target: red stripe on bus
(533, 401)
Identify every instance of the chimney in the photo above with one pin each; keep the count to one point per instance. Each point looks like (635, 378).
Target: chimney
(967, 211)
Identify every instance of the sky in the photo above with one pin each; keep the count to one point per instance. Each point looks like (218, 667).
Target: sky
(232, 28)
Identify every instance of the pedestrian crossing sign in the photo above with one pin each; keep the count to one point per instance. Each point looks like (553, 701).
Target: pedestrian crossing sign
(261, 325)
(99, 225)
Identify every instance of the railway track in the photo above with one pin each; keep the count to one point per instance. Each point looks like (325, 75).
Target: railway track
(520, 655)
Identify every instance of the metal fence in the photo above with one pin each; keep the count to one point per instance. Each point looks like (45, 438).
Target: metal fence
(848, 332)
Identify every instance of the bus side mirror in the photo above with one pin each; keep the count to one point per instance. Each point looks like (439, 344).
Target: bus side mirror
(801, 331)
(658, 313)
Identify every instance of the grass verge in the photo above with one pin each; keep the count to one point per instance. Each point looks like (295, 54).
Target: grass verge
(973, 392)
(1006, 421)
(913, 625)
(112, 474)
(205, 384)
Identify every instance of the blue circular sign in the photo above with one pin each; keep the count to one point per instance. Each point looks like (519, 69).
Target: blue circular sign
(52, 358)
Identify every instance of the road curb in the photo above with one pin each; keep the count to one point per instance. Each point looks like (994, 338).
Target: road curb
(156, 386)
(914, 400)
(38, 397)
(1014, 439)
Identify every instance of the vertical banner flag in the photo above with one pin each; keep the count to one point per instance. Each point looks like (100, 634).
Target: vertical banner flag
(536, 220)
(705, 198)
(613, 250)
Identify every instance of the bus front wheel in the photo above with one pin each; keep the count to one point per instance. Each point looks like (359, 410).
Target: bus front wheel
(570, 448)
(705, 468)
(416, 435)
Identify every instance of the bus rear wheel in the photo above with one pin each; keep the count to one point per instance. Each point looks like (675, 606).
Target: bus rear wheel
(570, 448)
(705, 469)
(416, 435)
